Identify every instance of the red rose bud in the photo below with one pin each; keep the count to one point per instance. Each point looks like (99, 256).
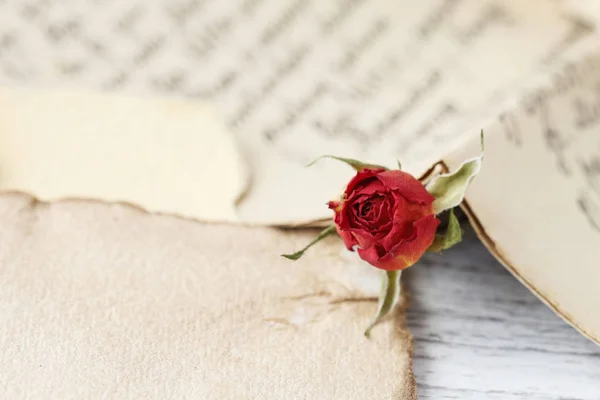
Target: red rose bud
(388, 215)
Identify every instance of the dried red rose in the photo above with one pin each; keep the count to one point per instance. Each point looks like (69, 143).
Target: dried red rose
(388, 216)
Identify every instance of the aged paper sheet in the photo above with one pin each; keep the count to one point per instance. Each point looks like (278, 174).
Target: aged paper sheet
(163, 155)
(588, 10)
(107, 301)
(536, 202)
(295, 79)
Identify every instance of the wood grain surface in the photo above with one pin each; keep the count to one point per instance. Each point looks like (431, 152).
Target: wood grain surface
(479, 334)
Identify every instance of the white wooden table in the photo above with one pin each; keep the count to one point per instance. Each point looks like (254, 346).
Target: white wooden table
(479, 334)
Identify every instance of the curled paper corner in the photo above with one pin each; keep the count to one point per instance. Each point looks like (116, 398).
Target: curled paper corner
(161, 155)
(506, 261)
(494, 219)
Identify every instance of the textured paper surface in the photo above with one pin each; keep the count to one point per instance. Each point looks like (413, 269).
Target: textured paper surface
(107, 301)
(370, 79)
(536, 202)
(164, 155)
(588, 10)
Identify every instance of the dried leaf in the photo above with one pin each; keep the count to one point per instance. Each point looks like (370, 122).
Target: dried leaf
(449, 189)
(324, 233)
(453, 235)
(357, 165)
(390, 293)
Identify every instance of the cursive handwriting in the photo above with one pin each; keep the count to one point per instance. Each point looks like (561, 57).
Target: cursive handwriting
(293, 114)
(283, 22)
(344, 10)
(590, 209)
(590, 169)
(587, 110)
(356, 50)
(436, 18)
(492, 14)
(415, 97)
(511, 127)
(364, 72)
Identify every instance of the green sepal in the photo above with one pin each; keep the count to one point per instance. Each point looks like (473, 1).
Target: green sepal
(389, 296)
(453, 235)
(324, 233)
(449, 189)
(357, 165)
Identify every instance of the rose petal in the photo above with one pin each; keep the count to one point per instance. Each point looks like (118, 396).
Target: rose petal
(349, 219)
(367, 212)
(372, 254)
(351, 215)
(404, 209)
(406, 253)
(384, 213)
(363, 238)
(374, 208)
(407, 185)
(362, 178)
(346, 226)
(383, 231)
(335, 206)
(405, 216)
(341, 216)
(356, 222)
(357, 197)
(349, 240)
(371, 187)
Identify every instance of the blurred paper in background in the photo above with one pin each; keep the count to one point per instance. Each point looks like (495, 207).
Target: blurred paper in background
(367, 79)
(163, 155)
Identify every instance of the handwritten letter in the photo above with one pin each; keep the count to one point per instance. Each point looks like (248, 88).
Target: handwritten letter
(538, 196)
(294, 79)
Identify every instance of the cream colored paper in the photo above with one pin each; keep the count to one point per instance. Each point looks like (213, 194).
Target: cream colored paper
(106, 301)
(588, 10)
(536, 202)
(166, 156)
(371, 79)
(461, 59)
